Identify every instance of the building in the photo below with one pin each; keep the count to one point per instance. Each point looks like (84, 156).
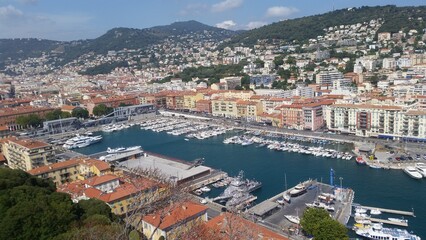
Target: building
(227, 224)
(27, 154)
(248, 110)
(9, 115)
(231, 82)
(169, 222)
(327, 77)
(389, 63)
(72, 170)
(61, 125)
(116, 101)
(204, 106)
(224, 108)
(380, 121)
(119, 192)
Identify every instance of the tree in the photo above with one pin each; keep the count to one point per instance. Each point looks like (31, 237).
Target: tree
(278, 61)
(318, 223)
(101, 110)
(31, 120)
(80, 113)
(30, 208)
(53, 115)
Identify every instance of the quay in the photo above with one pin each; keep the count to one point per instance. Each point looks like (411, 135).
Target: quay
(384, 210)
(272, 215)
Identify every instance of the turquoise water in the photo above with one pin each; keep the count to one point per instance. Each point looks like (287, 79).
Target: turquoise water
(373, 187)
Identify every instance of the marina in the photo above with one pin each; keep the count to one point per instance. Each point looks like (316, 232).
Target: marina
(268, 166)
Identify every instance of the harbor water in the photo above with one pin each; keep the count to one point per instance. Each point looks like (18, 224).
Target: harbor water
(391, 189)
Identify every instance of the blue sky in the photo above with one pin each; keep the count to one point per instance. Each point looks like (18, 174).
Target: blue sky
(83, 19)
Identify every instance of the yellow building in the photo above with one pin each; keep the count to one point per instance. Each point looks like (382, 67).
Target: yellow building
(225, 108)
(27, 154)
(190, 100)
(71, 170)
(168, 223)
(248, 110)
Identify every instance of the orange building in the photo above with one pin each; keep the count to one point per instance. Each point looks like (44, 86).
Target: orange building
(8, 115)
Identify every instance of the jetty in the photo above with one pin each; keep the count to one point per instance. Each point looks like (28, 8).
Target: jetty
(379, 220)
(384, 210)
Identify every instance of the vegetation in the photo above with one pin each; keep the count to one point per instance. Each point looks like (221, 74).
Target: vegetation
(57, 114)
(102, 110)
(104, 68)
(318, 223)
(79, 112)
(395, 19)
(32, 120)
(213, 73)
(30, 208)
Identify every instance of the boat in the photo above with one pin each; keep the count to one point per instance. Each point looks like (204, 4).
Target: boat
(360, 210)
(205, 189)
(122, 149)
(186, 139)
(375, 166)
(81, 141)
(412, 172)
(198, 192)
(280, 201)
(293, 219)
(286, 197)
(360, 161)
(298, 190)
(376, 231)
(421, 168)
(398, 220)
(236, 185)
(375, 211)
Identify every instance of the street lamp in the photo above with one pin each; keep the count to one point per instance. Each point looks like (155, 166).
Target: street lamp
(340, 178)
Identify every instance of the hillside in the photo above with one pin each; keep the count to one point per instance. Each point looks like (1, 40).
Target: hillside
(302, 29)
(114, 39)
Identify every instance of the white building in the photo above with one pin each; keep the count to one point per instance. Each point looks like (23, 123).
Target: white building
(389, 63)
(327, 77)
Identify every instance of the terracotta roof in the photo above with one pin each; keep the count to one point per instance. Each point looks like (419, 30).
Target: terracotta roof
(68, 107)
(54, 167)
(29, 143)
(179, 213)
(95, 181)
(246, 228)
(22, 110)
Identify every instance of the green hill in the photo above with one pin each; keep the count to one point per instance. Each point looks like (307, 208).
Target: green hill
(302, 29)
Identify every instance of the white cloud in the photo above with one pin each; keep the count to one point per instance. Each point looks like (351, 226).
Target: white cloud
(228, 24)
(10, 12)
(280, 11)
(255, 24)
(226, 5)
(194, 9)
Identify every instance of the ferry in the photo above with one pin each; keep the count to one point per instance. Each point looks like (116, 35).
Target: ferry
(379, 232)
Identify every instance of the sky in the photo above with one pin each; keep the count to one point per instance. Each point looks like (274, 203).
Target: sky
(87, 19)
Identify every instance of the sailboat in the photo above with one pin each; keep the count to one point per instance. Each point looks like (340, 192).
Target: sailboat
(286, 196)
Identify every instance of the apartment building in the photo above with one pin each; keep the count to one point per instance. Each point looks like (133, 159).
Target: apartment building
(369, 120)
(304, 115)
(224, 108)
(119, 192)
(113, 102)
(72, 170)
(248, 110)
(27, 154)
(327, 77)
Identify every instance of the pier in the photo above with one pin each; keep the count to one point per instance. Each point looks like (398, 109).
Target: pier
(401, 224)
(384, 210)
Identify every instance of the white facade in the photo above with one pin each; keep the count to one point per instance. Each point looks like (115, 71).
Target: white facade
(328, 77)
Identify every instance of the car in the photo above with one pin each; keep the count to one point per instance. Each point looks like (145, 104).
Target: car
(203, 201)
(390, 159)
(410, 158)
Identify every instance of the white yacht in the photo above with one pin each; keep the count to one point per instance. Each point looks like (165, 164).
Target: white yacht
(375, 211)
(398, 220)
(412, 172)
(293, 219)
(421, 168)
(122, 149)
(298, 190)
(81, 141)
(379, 232)
(205, 189)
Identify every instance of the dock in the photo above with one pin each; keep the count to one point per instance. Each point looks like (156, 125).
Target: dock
(401, 224)
(384, 210)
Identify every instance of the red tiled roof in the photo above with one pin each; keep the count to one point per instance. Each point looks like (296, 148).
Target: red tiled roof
(177, 214)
